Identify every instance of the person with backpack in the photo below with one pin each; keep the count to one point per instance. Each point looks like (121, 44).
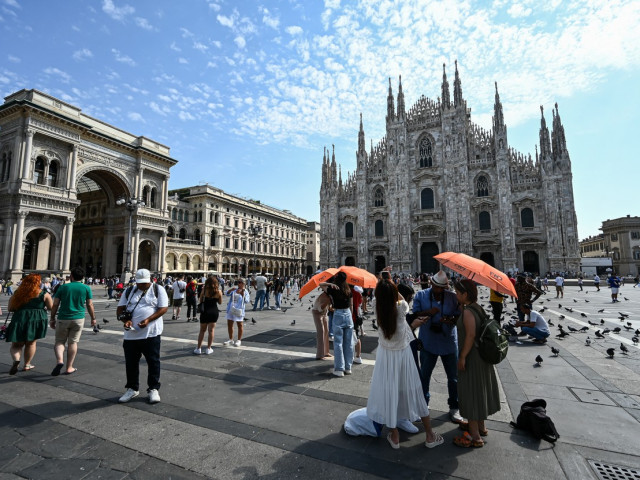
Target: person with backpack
(191, 297)
(179, 287)
(478, 390)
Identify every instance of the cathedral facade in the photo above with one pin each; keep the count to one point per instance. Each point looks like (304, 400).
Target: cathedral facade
(438, 182)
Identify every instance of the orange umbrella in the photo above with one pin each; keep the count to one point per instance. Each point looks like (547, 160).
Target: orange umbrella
(478, 271)
(316, 280)
(360, 277)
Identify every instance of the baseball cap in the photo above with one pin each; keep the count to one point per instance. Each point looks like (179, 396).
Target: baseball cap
(143, 276)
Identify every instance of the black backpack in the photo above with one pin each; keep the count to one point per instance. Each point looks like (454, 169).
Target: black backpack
(533, 418)
(491, 340)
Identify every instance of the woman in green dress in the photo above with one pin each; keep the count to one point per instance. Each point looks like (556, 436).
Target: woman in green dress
(29, 321)
(477, 383)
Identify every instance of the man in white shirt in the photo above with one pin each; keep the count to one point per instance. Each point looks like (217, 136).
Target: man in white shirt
(536, 326)
(260, 284)
(146, 303)
(179, 288)
(559, 286)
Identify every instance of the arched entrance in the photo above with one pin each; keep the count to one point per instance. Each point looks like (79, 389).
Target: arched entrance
(427, 263)
(379, 263)
(350, 262)
(39, 251)
(487, 257)
(530, 262)
(145, 255)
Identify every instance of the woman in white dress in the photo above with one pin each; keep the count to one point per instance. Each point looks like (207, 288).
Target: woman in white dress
(396, 391)
(238, 299)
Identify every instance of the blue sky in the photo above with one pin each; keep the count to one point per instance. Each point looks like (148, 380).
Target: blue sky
(248, 93)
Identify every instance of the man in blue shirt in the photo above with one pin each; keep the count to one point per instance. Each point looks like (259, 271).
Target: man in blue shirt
(439, 337)
(614, 284)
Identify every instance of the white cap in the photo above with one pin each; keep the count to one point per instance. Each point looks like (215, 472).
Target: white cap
(358, 288)
(143, 276)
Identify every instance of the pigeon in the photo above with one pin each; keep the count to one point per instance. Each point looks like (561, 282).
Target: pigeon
(584, 329)
(559, 305)
(571, 329)
(637, 332)
(284, 310)
(550, 323)
(575, 301)
(601, 310)
(107, 306)
(617, 330)
(624, 348)
(105, 320)
(587, 342)
(538, 360)
(602, 321)
(375, 327)
(293, 322)
(95, 329)
(583, 315)
(586, 301)
(568, 309)
(635, 340)
(598, 334)
(606, 330)
(592, 323)
(542, 310)
(625, 315)
(625, 298)
(628, 327)
(555, 351)
(309, 308)
(629, 324)
(562, 334)
(561, 317)
(253, 320)
(610, 352)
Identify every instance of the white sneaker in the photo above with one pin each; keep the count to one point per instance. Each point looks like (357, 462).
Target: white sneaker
(228, 342)
(357, 360)
(154, 396)
(197, 351)
(128, 395)
(338, 373)
(209, 351)
(347, 372)
(237, 343)
(454, 415)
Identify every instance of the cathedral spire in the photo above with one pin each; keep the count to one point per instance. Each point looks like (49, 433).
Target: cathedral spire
(457, 89)
(390, 108)
(446, 97)
(558, 141)
(400, 99)
(545, 144)
(361, 145)
(325, 165)
(498, 117)
(340, 177)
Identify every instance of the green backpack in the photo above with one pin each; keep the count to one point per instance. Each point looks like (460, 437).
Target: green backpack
(491, 340)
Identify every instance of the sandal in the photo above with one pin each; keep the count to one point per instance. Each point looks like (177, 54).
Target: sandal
(439, 440)
(465, 427)
(467, 441)
(28, 366)
(14, 367)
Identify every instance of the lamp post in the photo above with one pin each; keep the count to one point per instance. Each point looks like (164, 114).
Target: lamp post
(131, 204)
(254, 231)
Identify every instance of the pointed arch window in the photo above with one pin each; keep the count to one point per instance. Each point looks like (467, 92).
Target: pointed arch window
(484, 221)
(526, 218)
(379, 228)
(426, 199)
(378, 198)
(38, 172)
(482, 186)
(52, 174)
(348, 230)
(425, 152)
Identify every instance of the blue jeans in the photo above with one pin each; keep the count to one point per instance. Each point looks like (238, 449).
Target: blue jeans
(278, 298)
(266, 298)
(330, 324)
(342, 339)
(428, 362)
(259, 297)
(534, 332)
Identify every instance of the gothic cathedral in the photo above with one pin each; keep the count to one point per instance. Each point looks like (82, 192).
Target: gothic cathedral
(438, 182)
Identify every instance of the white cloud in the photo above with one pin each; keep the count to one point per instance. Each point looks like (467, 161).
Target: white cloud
(214, 6)
(240, 41)
(519, 11)
(119, 57)
(183, 60)
(64, 76)
(143, 23)
(82, 54)
(136, 117)
(117, 13)
(13, 59)
(174, 47)
(294, 30)
(225, 21)
(184, 116)
(268, 19)
(217, 43)
(200, 47)
(163, 110)
(12, 3)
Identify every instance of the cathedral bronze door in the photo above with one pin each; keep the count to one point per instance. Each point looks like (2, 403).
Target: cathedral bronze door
(487, 257)
(530, 262)
(350, 262)
(427, 263)
(380, 263)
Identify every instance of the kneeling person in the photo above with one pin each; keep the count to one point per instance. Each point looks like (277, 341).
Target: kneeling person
(146, 304)
(537, 326)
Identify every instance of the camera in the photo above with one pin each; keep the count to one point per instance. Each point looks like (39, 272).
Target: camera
(125, 316)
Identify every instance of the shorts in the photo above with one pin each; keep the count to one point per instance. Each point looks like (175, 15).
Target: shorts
(68, 331)
(558, 288)
(177, 302)
(614, 290)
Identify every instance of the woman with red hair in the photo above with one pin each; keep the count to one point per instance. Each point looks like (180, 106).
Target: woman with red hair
(29, 321)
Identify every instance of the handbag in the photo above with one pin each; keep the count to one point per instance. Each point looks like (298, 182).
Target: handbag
(3, 328)
(201, 307)
(235, 311)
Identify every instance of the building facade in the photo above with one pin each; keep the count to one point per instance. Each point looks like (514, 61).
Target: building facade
(593, 247)
(213, 231)
(438, 182)
(622, 242)
(80, 192)
(313, 248)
